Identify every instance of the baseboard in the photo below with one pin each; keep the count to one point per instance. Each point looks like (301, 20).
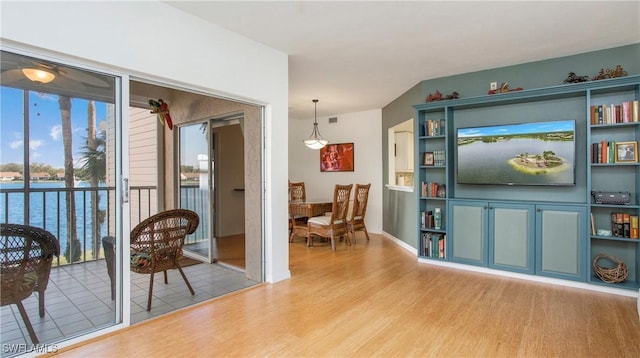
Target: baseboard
(548, 280)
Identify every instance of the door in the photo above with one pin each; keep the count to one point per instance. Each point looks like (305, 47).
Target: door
(561, 238)
(211, 160)
(511, 233)
(468, 223)
(196, 186)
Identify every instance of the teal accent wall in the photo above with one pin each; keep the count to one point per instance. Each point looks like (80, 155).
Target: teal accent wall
(400, 215)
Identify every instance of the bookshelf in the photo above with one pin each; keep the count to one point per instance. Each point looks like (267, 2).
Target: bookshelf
(614, 126)
(432, 157)
(555, 236)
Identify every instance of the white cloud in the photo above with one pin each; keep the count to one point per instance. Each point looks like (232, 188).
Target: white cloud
(16, 144)
(55, 132)
(35, 144)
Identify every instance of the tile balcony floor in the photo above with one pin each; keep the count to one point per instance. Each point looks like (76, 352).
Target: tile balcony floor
(78, 300)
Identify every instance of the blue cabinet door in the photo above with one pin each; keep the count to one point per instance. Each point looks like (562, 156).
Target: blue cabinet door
(468, 232)
(561, 237)
(511, 237)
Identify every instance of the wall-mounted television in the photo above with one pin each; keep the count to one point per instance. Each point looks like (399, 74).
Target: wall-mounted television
(535, 153)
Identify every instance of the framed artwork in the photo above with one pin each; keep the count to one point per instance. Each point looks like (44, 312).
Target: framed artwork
(626, 152)
(337, 158)
(428, 158)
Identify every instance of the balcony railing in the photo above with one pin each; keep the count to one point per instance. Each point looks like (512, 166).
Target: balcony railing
(46, 208)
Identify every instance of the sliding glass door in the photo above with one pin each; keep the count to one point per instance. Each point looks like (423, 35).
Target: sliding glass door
(196, 187)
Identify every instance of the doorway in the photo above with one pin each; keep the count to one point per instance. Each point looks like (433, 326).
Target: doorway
(211, 162)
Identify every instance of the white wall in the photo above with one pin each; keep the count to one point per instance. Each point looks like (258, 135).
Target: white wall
(152, 40)
(364, 129)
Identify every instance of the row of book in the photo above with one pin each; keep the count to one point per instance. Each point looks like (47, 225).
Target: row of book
(624, 225)
(428, 220)
(432, 190)
(433, 127)
(607, 152)
(437, 158)
(434, 244)
(626, 112)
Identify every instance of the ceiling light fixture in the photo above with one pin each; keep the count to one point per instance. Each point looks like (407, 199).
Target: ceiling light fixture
(38, 75)
(315, 140)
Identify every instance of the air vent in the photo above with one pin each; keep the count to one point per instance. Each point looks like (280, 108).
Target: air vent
(333, 119)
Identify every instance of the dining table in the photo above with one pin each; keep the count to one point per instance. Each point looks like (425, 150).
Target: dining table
(311, 208)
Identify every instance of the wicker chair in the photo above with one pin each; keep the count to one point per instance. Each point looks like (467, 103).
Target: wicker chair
(26, 255)
(297, 193)
(297, 226)
(334, 225)
(355, 218)
(156, 244)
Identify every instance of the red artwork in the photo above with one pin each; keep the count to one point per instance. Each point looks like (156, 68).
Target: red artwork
(337, 158)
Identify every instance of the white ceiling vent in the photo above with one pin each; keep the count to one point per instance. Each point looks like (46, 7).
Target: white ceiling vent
(333, 119)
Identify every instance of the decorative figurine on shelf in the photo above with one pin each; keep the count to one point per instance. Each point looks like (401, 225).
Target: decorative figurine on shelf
(610, 73)
(160, 108)
(434, 97)
(453, 95)
(439, 97)
(504, 88)
(573, 78)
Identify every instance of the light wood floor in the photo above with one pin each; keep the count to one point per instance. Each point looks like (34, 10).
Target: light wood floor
(375, 299)
(230, 250)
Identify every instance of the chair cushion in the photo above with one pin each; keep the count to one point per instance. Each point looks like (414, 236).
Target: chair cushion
(323, 220)
(139, 260)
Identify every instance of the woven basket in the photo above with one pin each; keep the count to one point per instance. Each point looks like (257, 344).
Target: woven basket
(614, 274)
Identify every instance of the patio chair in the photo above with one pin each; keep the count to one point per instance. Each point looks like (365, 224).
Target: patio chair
(355, 218)
(334, 225)
(26, 255)
(156, 244)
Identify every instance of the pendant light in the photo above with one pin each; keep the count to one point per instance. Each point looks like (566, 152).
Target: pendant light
(315, 140)
(38, 75)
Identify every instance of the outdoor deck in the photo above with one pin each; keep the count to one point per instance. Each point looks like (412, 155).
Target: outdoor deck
(78, 299)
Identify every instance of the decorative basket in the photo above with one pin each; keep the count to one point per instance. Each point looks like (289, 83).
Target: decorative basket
(615, 274)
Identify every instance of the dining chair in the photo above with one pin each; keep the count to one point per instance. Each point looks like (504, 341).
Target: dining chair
(297, 193)
(297, 226)
(334, 225)
(355, 218)
(26, 256)
(157, 242)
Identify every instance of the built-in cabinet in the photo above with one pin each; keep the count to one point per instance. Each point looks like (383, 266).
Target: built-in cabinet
(539, 230)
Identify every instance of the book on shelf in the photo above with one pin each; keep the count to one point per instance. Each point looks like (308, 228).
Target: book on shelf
(626, 225)
(624, 112)
(434, 127)
(434, 245)
(426, 219)
(633, 223)
(623, 224)
(593, 224)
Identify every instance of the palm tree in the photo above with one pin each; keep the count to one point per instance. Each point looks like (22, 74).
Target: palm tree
(73, 248)
(94, 164)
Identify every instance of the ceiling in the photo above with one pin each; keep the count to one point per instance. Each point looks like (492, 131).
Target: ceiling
(361, 55)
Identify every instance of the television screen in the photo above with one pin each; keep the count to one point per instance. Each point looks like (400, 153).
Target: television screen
(536, 153)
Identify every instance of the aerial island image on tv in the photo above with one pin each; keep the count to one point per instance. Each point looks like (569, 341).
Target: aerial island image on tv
(537, 153)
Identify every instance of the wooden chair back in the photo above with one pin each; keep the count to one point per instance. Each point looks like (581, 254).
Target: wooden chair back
(360, 198)
(297, 192)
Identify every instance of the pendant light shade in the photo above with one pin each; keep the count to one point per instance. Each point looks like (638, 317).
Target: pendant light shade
(315, 140)
(38, 75)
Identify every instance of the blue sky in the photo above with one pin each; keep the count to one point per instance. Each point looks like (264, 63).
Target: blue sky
(45, 126)
(536, 127)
